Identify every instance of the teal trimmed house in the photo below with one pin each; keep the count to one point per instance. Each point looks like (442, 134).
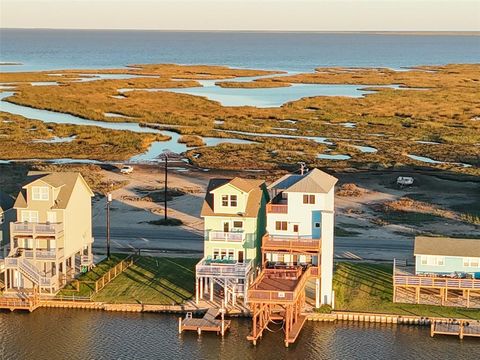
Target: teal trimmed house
(447, 256)
(235, 220)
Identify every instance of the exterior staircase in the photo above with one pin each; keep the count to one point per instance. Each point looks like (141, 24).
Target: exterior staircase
(28, 270)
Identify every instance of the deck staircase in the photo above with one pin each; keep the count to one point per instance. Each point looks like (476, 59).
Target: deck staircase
(29, 270)
(233, 288)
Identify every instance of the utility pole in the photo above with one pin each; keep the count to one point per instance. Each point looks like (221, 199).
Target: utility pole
(166, 179)
(109, 200)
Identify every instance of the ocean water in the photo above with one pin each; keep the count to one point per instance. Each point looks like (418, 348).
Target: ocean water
(61, 49)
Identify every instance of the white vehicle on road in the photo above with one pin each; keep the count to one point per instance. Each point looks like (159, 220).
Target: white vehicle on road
(126, 169)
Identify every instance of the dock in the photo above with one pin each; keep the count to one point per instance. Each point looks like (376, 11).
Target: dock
(460, 328)
(208, 322)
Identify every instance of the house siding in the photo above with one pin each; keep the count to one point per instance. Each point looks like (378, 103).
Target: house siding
(452, 264)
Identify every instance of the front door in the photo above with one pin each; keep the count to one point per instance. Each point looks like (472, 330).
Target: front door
(226, 226)
(240, 256)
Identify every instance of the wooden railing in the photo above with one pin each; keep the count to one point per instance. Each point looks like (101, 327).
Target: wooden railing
(255, 294)
(277, 208)
(113, 273)
(284, 243)
(436, 282)
(29, 303)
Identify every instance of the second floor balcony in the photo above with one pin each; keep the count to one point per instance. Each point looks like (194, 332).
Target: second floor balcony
(228, 236)
(38, 253)
(36, 229)
(224, 268)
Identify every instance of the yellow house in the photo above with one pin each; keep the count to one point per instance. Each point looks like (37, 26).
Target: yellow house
(234, 216)
(51, 241)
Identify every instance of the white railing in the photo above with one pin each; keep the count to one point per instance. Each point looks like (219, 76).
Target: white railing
(208, 267)
(43, 254)
(35, 228)
(232, 236)
(29, 270)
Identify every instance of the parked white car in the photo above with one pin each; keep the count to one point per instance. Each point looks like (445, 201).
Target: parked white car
(126, 169)
(405, 180)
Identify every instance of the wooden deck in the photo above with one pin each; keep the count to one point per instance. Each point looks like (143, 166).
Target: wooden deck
(460, 328)
(291, 245)
(209, 322)
(13, 303)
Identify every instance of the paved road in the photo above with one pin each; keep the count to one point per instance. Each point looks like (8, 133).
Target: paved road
(183, 241)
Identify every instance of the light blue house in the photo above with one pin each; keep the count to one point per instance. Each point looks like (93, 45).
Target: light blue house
(447, 256)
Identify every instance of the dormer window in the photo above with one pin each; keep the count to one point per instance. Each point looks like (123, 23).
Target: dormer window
(40, 193)
(229, 200)
(224, 200)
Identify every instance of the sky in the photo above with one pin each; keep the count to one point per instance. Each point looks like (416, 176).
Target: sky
(270, 15)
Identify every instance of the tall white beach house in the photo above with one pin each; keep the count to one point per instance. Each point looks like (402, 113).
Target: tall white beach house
(302, 209)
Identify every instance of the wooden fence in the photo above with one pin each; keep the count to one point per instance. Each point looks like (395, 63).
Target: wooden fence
(113, 273)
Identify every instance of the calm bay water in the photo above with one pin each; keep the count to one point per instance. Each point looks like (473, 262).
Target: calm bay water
(82, 334)
(60, 49)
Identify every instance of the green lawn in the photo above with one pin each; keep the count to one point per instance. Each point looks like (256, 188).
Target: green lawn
(93, 275)
(368, 288)
(152, 280)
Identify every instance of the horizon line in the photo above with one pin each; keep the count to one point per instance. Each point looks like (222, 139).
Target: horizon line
(377, 32)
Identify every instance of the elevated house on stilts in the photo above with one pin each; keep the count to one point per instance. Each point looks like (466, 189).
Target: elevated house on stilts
(234, 215)
(297, 248)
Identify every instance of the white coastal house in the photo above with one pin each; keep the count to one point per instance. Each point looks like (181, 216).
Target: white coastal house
(300, 226)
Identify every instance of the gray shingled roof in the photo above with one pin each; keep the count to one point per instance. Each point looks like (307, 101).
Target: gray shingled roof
(444, 246)
(314, 181)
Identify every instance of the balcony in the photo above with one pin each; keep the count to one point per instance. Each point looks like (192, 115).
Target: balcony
(36, 229)
(231, 236)
(223, 268)
(291, 244)
(279, 285)
(43, 254)
(277, 208)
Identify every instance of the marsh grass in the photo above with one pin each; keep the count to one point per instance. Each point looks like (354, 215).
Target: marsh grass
(441, 111)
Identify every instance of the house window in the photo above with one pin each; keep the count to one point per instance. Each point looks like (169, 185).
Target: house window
(295, 228)
(309, 199)
(29, 216)
(223, 254)
(281, 225)
(471, 262)
(432, 260)
(231, 254)
(39, 193)
(233, 200)
(238, 224)
(216, 254)
(317, 225)
(224, 200)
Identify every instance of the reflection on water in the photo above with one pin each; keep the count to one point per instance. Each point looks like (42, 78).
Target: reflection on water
(83, 334)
